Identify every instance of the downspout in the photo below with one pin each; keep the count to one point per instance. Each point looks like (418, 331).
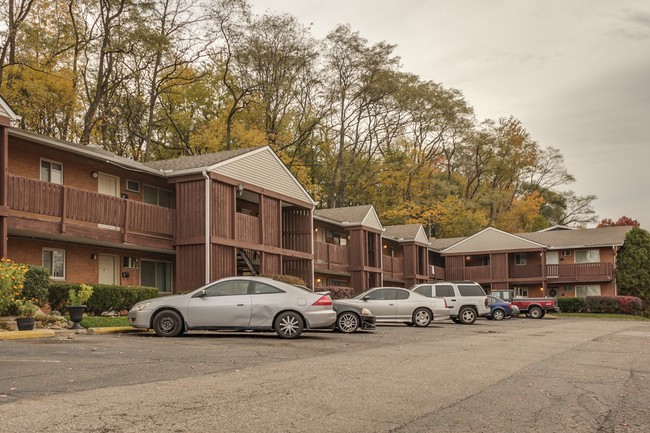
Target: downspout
(207, 226)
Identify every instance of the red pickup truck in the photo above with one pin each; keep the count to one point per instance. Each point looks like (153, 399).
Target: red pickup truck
(535, 308)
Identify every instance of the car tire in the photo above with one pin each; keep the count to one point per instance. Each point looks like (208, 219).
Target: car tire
(422, 317)
(289, 325)
(347, 322)
(168, 323)
(455, 319)
(498, 314)
(535, 313)
(467, 316)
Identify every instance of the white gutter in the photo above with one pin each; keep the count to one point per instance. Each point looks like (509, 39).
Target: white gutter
(207, 226)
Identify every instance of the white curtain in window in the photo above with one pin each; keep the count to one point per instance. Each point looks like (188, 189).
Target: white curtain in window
(591, 290)
(587, 256)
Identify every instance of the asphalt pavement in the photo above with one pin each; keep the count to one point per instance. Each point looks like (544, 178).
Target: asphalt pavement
(522, 375)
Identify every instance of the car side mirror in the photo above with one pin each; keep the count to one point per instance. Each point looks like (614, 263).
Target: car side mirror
(200, 294)
(365, 298)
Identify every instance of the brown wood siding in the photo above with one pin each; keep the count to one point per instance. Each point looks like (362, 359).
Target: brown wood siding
(190, 199)
(454, 268)
(190, 267)
(271, 264)
(358, 253)
(223, 210)
(247, 228)
(272, 223)
(224, 262)
(499, 265)
(296, 229)
(298, 268)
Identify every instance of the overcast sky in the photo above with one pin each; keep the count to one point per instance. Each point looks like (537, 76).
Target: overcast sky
(575, 72)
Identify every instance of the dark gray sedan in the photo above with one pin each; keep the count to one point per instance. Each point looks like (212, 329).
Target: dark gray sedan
(237, 303)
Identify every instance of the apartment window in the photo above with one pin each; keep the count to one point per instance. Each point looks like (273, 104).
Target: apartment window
(587, 290)
(587, 256)
(54, 262)
(566, 253)
(51, 171)
(156, 274)
(521, 291)
(336, 283)
(157, 196)
(520, 259)
(132, 185)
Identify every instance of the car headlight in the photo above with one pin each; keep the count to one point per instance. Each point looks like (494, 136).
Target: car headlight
(141, 306)
(366, 312)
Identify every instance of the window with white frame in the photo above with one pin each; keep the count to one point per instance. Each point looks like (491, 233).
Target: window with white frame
(587, 256)
(54, 261)
(520, 259)
(521, 291)
(51, 171)
(587, 290)
(156, 274)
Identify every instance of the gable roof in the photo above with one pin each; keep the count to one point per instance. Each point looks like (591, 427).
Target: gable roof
(553, 239)
(364, 215)
(406, 233)
(582, 238)
(258, 166)
(491, 239)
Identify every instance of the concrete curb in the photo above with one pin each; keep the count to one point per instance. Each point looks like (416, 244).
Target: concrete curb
(24, 335)
(47, 333)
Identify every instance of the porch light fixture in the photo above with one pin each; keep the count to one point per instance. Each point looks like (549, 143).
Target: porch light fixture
(93, 174)
(467, 257)
(240, 189)
(93, 256)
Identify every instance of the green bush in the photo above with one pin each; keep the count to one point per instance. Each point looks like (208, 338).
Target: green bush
(572, 305)
(36, 285)
(615, 305)
(104, 298)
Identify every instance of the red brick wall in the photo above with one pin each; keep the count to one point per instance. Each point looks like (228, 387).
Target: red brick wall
(80, 266)
(25, 159)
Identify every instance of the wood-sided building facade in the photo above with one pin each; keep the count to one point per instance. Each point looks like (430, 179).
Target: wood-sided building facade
(405, 255)
(571, 262)
(91, 216)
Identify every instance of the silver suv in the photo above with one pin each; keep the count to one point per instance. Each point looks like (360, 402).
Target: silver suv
(466, 301)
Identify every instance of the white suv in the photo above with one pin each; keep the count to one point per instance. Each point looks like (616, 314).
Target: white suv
(466, 301)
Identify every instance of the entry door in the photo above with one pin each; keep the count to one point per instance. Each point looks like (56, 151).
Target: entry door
(553, 258)
(109, 185)
(108, 271)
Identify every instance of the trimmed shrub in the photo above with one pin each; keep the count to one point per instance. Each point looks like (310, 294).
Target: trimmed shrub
(105, 297)
(615, 305)
(289, 279)
(572, 305)
(337, 292)
(37, 284)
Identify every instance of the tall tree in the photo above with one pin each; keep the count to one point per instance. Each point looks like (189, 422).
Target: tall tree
(633, 265)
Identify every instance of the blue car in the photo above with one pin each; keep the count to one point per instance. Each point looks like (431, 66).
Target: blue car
(499, 309)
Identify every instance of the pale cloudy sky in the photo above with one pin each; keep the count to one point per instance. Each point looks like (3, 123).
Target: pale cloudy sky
(575, 72)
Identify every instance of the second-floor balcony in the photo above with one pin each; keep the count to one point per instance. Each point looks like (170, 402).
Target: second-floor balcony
(578, 272)
(331, 257)
(88, 214)
(393, 267)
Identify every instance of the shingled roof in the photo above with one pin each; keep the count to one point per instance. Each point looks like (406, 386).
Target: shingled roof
(197, 161)
(364, 215)
(596, 237)
(406, 232)
(556, 239)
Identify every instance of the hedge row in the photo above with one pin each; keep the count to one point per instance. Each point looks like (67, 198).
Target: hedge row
(337, 292)
(105, 297)
(603, 304)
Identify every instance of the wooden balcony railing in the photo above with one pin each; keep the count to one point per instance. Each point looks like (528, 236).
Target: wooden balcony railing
(331, 257)
(528, 271)
(436, 273)
(581, 271)
(477, 273)
(247, 228)
(393, 266)
(73, 205)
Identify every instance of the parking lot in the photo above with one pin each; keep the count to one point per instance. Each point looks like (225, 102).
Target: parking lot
(517, 375)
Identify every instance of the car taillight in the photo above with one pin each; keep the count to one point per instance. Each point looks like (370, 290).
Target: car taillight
(323, 301)
(486, 302)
